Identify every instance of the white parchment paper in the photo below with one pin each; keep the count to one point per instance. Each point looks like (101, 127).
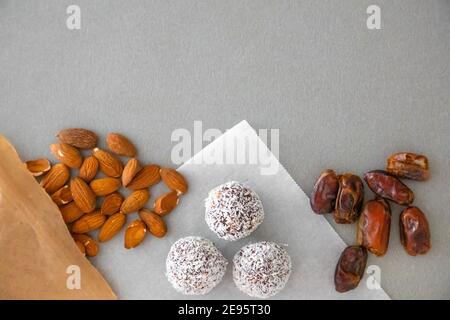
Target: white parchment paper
(311, 242)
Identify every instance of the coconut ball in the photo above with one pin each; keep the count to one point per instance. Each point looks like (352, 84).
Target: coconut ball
(233, 211)
(261, 269)
(194, 265)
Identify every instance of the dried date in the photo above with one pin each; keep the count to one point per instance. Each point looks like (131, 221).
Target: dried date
(389, 187)
(374, 226)
(350, 268)
(408, 165)
(414, 231)
(323, 196)
(349, 199)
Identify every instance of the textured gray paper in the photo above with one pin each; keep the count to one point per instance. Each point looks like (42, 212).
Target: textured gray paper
(311, 242)
(344, 97)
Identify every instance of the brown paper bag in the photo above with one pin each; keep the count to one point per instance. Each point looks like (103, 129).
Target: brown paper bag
(38, 257)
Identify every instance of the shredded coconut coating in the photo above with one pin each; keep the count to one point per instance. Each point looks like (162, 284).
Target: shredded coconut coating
(233, 211)
(194, 265)
(261, 269)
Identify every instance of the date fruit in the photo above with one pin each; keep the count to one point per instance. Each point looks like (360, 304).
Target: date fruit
(349, 198)
(323, 196)
(414, 231)
(374, 226)
(408, 165)
(389, 187)
(350, 268)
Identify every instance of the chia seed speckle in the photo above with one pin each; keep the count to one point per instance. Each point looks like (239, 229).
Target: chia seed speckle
(261, 269)
(233, 211)
(194, 265)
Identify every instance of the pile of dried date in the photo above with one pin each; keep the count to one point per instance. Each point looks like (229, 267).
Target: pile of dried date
(344, 195)
(77, 197)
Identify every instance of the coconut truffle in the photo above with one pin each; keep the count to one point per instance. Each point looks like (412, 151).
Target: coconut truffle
(233, 211)
(261, 269)
(194, 265)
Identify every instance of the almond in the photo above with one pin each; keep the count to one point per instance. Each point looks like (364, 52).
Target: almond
(55, 178)
(78, 137)
(135, 201)
(90, 245)
(155, 224)
(112, 226)
(111, 204)
(62, 196)
(129, 172)
(146, 177)
(109, 164)
(104, 186)
(135, 234)
(67, 154)
(174, 180)
(70, 212)
(121, 145)
(82, 194)
(88, 169)
(88, 222)
(38, 167)
(81, 247)
(165, 203)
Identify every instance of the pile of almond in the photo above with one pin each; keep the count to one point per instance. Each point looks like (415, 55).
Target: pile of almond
(78, 196)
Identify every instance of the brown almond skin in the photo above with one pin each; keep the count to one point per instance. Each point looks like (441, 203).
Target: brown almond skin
(112, 226)
(105, 186)
(38, 167)
(56, 178)
(82, 194)
(323, 196)
(174, 180)
(408, 165)
(88, 222)
(78, 137)
(88, 169)
(134, 234)
(135, 201)
(70, 212)
(67, 154)
(155, 224)
(111, 204)
(120, 145)
(90, 245)
(81, 247)
(62, 196)
(374, 226)
(165, 203)
(129, 171)
(415, 233)
(110, 165)
(388, 186)
(146, 177)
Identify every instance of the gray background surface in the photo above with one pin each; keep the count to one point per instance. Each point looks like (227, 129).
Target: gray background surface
(342, 96)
